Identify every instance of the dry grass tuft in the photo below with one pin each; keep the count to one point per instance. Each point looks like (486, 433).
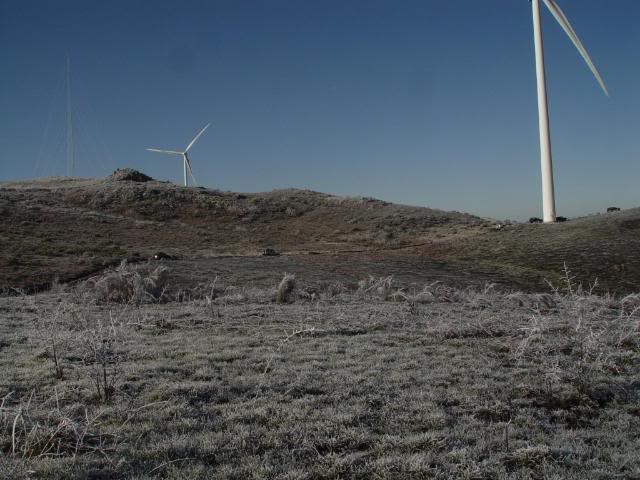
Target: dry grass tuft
(631, 303)
(31, 429)
(127, 284)
(286, 288)
(530, 457)
(383, 287)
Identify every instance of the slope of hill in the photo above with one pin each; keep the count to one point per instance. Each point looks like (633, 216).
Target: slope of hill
(68, 228)
(602, 249)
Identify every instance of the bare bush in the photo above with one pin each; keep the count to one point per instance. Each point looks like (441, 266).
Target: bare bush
(590, 353)
(99, 346)
(50, 330)
(126, 284)
(72, 331)
(285, 288)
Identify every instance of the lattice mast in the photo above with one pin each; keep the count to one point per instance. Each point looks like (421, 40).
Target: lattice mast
(69, 141)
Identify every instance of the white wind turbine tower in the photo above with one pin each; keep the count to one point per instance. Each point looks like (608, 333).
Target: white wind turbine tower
(186, 165)
(548, 197)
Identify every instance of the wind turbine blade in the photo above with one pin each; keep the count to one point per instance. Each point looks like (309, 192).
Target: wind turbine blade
(196, 137)
(195, 182)
(566, 26)
(164, 151)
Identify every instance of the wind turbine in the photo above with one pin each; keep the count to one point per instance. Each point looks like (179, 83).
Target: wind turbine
(186, 165)
(548, 197)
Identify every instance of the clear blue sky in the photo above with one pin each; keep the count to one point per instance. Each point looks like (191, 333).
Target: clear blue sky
(420, 102)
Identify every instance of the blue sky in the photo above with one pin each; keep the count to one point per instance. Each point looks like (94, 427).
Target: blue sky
(420, 102)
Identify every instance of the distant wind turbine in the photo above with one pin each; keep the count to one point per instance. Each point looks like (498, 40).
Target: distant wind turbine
(548, 196)
(186, 165)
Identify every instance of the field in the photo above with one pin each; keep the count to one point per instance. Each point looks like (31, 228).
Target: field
(403, 343)
(381, 381)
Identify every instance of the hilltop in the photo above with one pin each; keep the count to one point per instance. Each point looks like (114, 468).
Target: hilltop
(67, 228)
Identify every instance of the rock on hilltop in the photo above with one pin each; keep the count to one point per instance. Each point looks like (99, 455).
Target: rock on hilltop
(129, 175)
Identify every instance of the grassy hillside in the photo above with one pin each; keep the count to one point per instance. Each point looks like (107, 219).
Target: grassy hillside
(602, 248)
(69, 228)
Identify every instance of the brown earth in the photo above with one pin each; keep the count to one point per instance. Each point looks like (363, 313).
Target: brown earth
(68, 228)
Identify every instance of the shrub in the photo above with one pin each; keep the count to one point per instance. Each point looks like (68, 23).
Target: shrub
(73, 331)
(129, 285)
(592, 349)
(50, 329)
(99, 351)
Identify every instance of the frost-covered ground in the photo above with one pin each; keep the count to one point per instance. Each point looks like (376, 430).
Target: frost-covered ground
(122, 380)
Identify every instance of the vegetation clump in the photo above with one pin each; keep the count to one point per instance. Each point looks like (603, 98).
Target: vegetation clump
(285, 288)
(39, 428)
(126, 284)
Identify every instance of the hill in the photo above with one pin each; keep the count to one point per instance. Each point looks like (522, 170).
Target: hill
(209, 363)
(67, 228)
